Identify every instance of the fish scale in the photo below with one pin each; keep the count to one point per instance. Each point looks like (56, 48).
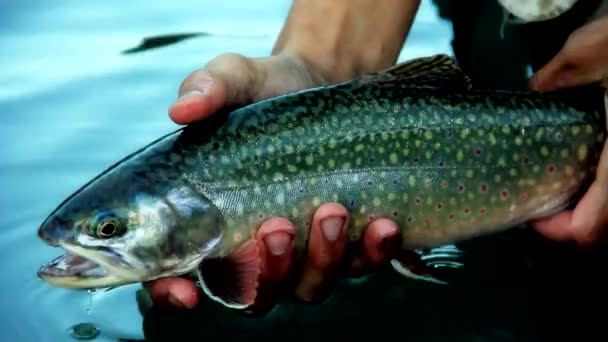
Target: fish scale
(442, 164)
(414, 143)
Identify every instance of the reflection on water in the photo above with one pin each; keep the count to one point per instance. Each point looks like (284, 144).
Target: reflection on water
(72, 104)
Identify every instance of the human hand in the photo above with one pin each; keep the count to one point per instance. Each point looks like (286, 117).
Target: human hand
(582, 60)
(233, 80)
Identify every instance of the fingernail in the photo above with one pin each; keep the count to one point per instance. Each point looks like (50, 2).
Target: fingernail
(388, 232)
(190, 94)
(176, 302)
(278, 242)
(332, 227)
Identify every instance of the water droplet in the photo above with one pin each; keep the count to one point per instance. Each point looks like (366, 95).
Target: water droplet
(83, 331)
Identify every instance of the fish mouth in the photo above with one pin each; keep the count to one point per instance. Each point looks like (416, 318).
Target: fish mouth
(88, 268)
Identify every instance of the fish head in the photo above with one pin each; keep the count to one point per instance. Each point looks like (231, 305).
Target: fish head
(120, 229)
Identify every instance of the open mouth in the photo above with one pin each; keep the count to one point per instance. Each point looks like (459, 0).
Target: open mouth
(87, 268)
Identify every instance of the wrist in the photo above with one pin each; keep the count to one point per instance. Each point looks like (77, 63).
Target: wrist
(345, 38)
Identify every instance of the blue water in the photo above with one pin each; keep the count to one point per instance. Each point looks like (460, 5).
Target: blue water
(72, 104)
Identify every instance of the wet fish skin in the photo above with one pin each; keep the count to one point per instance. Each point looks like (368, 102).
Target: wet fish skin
(446, 162)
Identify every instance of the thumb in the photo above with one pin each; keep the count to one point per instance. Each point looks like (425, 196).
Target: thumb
(227, 80)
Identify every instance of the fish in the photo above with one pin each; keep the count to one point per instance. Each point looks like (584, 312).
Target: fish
(415, 142)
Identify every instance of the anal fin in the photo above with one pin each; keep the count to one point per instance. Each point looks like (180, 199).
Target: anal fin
(232, 280)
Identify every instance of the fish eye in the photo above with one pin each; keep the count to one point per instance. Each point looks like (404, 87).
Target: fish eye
(107, 229)
(106, 225)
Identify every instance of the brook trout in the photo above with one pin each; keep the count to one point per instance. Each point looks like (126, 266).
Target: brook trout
(415, 143)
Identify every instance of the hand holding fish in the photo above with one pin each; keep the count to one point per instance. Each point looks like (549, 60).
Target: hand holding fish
(582, 60)
(305, 55)
(227, 81)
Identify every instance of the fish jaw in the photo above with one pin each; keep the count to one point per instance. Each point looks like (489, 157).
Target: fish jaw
(84, 268)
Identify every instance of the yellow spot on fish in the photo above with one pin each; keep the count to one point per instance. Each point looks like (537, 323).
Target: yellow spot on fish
(513, 172)
(492, 139)
(405, 197)
(406, 151)
(385, 136)
(518, 141)
(292, 168)
(470, 195)
(569, 170)
(428, 135)
(497, 178)
(501, 162)
(417, 143)
(343, 151)
(582, 152)
(393, 158)
(544, 151)
(453, 201)
(428, 155)
(331, 163)
(412, 180)
(539, 133)
(480, 132)
(588, 129)
(237, 237)
(392, 196)
(316, 201)
(320, 168)
(506, 129)
(459, 155)
(564, 153)
(535, 168)
(465, 132)
(429, 201)
(278, 176)
(346, 165)
(469, 173)
(376, 202)
(309, 159)
(359, 147)
(576, 130)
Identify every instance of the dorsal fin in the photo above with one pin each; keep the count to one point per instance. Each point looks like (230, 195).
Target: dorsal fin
(437, 71)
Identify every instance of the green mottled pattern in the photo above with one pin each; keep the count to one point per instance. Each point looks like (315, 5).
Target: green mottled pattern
(444, 164)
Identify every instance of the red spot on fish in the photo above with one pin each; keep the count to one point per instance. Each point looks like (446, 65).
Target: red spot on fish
(484, 187)
(395, 213)
(444, 184)
(504, 194)
(478, 152)
(523, 195)
(466, 210)
(418, 200)
(427, 222)
(482, 210)
(409, 219)
(370, 218)
(550, 168)
(525, 160)
(451, 216)
(461, 188)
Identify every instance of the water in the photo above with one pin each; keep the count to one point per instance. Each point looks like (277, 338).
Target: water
(72, 104)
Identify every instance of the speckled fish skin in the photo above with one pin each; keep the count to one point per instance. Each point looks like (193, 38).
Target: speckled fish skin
(446, 162)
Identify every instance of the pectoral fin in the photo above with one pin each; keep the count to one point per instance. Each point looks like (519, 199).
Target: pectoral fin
(233, 280)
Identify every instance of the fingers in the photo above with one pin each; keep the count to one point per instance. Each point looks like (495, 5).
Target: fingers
(547, 78)
(277, 248)
(175, 292)
(227, 80)
(326, 246)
